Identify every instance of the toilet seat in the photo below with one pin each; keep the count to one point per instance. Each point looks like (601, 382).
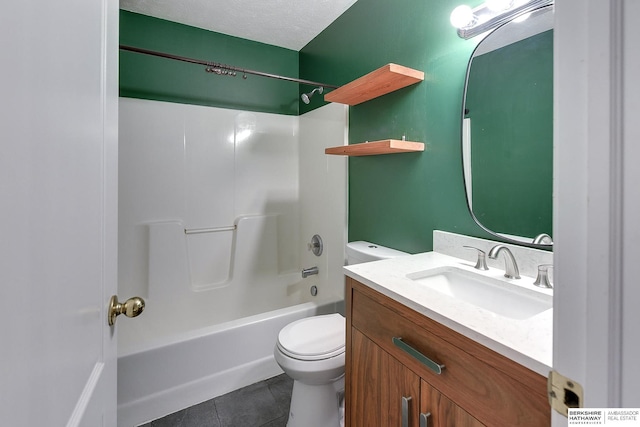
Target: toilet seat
(313, 338)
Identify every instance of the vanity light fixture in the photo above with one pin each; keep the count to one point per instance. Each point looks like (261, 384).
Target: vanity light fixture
(491, 14)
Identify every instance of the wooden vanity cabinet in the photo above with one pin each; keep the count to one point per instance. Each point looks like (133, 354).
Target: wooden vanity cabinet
(379, 383)
(384, 383)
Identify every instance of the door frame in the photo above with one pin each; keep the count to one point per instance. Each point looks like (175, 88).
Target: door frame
(595, 168)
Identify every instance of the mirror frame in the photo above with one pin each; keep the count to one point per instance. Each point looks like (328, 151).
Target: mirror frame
(462, 117)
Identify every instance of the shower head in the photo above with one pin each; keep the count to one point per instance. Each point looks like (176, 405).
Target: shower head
(306, 97)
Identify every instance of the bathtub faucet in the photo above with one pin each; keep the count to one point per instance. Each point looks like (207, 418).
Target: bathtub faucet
(309, 271)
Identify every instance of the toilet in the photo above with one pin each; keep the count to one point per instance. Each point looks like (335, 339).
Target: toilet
(312, 350)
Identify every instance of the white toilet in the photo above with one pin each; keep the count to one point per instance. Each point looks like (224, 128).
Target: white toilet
(311, 351)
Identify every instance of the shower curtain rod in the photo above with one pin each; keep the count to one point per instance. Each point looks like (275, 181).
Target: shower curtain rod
(219, 66)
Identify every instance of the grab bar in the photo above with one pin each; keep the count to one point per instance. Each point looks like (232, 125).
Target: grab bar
(209, 230)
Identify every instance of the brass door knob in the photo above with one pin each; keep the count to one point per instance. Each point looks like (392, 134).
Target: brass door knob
(130, 308)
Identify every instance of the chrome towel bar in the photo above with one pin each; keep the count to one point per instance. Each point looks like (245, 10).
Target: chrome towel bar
(209, 230)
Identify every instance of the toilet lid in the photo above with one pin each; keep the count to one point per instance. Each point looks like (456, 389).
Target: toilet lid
(313, 338)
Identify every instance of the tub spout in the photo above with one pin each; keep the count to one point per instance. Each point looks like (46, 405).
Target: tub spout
(309, 271)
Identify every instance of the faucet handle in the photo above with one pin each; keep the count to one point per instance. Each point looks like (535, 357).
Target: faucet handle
(543, 276)
(481, 263)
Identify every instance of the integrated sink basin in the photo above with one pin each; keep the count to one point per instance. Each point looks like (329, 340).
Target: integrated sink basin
(495, 295)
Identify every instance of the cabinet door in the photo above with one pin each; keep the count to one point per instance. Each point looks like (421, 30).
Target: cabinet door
(379, 384)
(443, 412)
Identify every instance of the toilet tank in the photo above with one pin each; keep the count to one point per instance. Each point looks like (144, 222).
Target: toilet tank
(361, 251)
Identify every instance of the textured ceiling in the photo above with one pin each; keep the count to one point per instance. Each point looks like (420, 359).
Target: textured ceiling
(286, 23)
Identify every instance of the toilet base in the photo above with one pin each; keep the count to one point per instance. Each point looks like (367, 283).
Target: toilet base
(316, 405)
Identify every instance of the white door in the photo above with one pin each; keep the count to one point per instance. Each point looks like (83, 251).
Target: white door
(597, 201)
(58, 215)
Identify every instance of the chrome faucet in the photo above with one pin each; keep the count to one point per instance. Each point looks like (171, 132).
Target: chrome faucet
(510, 265)
(309, 271)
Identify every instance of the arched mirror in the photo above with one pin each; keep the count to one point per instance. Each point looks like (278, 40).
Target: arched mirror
(507, 141)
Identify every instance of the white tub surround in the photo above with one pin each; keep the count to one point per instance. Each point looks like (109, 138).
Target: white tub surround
(213, 198)
(527, 341)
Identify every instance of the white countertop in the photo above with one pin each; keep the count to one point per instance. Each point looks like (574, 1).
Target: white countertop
(527, 341)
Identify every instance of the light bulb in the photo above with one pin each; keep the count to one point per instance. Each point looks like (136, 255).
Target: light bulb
(498, 5)
(462, 16)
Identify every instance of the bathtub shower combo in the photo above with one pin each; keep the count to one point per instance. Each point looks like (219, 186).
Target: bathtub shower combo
(217, 210)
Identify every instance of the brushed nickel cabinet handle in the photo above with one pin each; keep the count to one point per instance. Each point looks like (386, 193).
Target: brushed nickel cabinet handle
(405, 411)
(424, 419)
(435, 367)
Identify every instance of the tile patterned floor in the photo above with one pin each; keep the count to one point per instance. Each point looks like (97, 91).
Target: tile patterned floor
(264, 404)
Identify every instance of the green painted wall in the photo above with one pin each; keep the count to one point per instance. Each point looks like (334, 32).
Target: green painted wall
(398, 200)
(148, 77)
(510, 104)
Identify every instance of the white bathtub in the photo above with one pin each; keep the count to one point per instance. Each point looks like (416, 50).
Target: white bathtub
(200, 365)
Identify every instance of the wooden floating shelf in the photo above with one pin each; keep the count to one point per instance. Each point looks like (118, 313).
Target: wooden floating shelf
(386, 79)
(387, 146)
